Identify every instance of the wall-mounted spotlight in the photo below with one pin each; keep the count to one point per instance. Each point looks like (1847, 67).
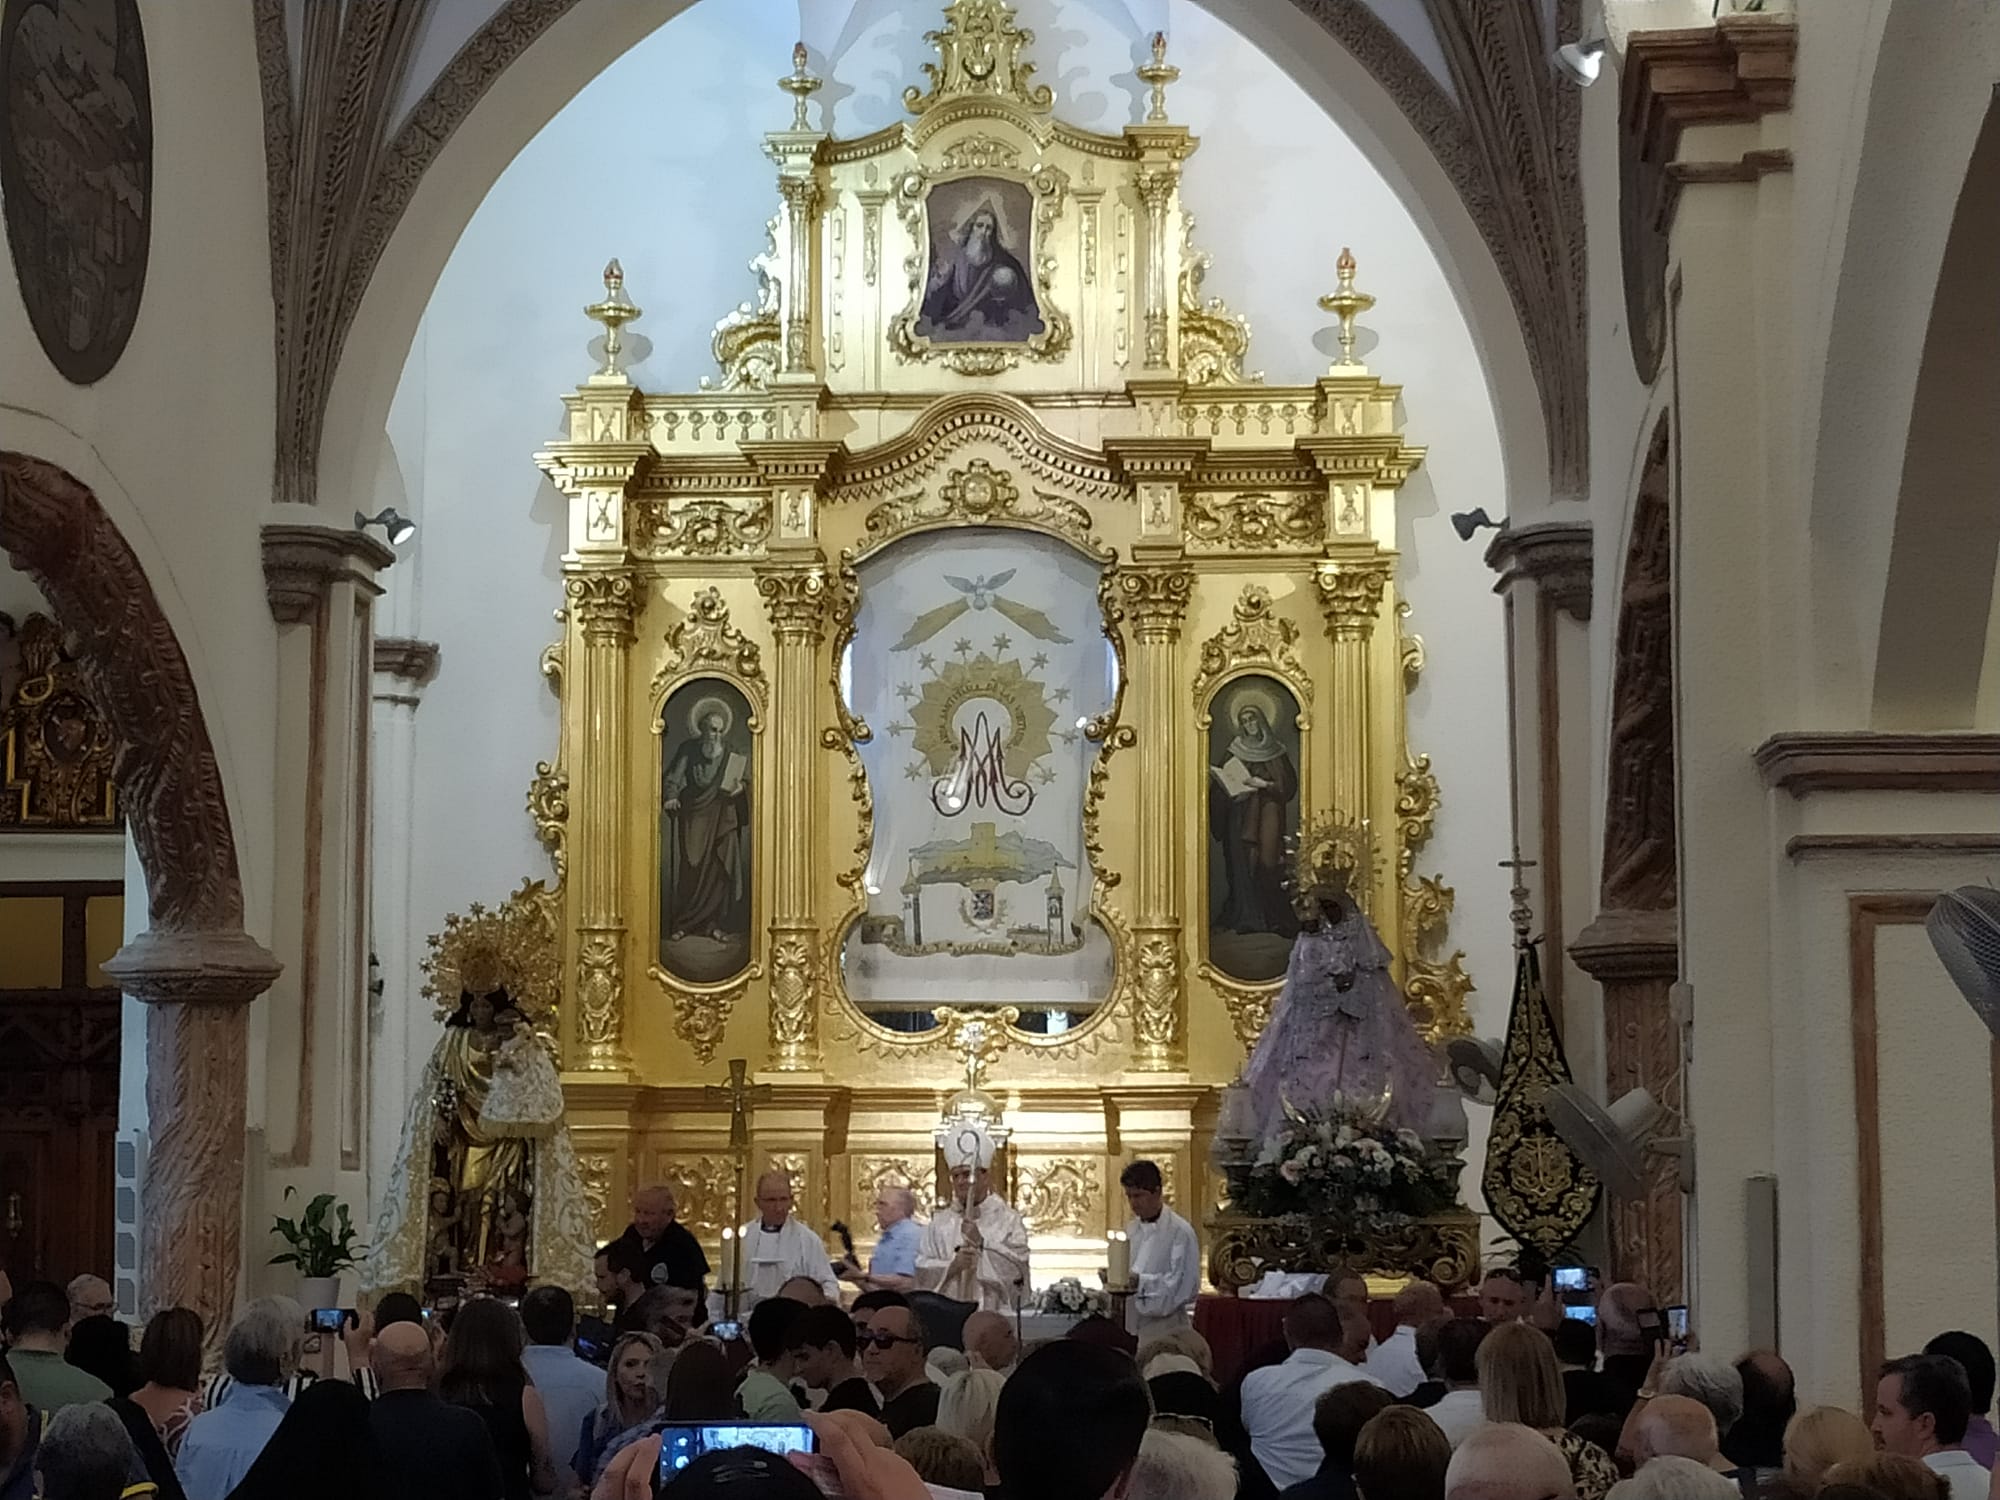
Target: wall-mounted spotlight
(1466, 522)
(396, 526)
(1580, 61)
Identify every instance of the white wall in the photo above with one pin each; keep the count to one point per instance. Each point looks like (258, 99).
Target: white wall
(659, 162)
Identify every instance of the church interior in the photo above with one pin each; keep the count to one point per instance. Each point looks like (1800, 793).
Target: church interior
(597, 595)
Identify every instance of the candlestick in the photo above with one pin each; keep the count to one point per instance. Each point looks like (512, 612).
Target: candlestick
(1118, 1253)
(614, 312)
(1344, 303)
(730, 1262)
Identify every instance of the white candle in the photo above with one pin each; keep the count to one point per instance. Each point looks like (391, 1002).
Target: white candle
(1118, 1251)
(730, 1262)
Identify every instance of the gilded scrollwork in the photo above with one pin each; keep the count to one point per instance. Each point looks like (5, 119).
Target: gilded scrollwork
(604, 603)
(1254, 522)
(1214, 340)
(1156, 989)
(593, 1170)
(699, 527)
(874, 1173)
(702, 1011)
(57, 749)
(979, 153)
(1154, 598)
(600, 989)
(704, 1192)
(980, 54)
(548, 805)
(1350, 594)
(1249, 1005)
(981, 495)
(1443, 1249)
(794, 1000)
(795, 600)
(1060, 1194)
(704, 641)
(748, 343)
(1257, 638)
(1436, 985)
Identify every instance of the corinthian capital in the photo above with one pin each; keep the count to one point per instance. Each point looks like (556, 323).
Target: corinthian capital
(605, 603)
(1350, 595)
(796, 599)
(1155, 599)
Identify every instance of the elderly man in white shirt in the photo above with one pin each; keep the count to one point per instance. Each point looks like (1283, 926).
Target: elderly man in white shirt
(1394, 1361)
(1166, 1256)
(776, 1247)
(1278, 1400)
(975, 1250)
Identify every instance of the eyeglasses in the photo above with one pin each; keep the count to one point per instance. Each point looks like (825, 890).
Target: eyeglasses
(883, 1340)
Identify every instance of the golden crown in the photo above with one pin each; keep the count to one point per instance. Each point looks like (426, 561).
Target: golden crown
(1331, 855)
(516, 947)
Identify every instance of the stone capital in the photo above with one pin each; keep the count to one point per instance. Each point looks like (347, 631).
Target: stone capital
(605, 603)
(1154, 598)
(407, 660)
(193, 968)
(1553, 555)
(1629, 946)
(302, 563)
(796, 600)
(1350, 595)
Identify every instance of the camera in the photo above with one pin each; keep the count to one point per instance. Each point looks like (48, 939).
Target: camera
(681, 1443)
(1572, 1279)
(334, 1319)
(727, 1331)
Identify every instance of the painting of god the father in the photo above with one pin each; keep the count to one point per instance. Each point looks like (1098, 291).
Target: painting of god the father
(980, 289)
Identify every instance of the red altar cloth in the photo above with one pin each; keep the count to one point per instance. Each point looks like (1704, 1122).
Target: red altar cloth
(1236, 1327)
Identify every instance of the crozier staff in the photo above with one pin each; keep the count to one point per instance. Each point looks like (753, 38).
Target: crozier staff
(976, 1250)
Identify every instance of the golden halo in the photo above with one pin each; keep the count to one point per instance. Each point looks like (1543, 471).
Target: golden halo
(702, 707)
(1247, 694)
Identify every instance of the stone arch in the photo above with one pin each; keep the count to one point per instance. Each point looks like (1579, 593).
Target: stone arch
(194, 965)
(478, 118)
(1938, 600)
(1633, 947)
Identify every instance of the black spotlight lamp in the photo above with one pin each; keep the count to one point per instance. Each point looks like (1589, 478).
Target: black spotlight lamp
(399, 528)
(1466, 522)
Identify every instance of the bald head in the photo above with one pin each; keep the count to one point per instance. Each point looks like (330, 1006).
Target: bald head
(1675, 1427)
(989, 1339)
(400, 1356)
(774, 1199)
(1503, 1461)
(652, 1211)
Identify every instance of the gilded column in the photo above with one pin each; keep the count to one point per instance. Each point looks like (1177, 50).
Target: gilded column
(1155, 600)
(1350, 595)
(603, 605)
(1156, 194)
(795, 598)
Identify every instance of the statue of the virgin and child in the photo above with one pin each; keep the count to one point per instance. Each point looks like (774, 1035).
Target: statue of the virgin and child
(485, 1191)
(1340, 1039)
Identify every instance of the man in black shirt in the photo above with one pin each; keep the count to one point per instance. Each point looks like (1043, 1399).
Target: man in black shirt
(893, 1360)
(429, 1450)
(822, 1342)
(670, 1255)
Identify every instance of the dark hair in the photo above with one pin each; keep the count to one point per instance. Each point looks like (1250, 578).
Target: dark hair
(1458, 1349)
(1341, 1412)
(102, 1346)
(871, 1301)
(1070, 1421)
(1974, 1358)
(1575, 1341)
(1098, 1329)
(622, 1255)
(482, 1356)
(38, 1307)
(1143, 1175)
(1505, 1273)
(549, 1315)
(1427, 1349)
(323, 1449)
(170, 1350)
(398, 1307)
(1314, 1322)
(7, 1372)
(1600, 1427)
(1935, 1384)
(742, 1474)
(817, 1327)
(1401, 1451)
(770, 1323)
(698, 1386)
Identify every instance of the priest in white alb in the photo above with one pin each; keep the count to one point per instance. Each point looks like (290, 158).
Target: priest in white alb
(1166, 1256)
(775, 1248)
(976, 1250)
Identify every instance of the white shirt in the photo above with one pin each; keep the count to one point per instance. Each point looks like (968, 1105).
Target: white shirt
(1166, 1264)
(1968, 1480)
(1457, 1413)
(1394, 1362)
(1001, 1278)
(1278, 1411)
(772, 1258)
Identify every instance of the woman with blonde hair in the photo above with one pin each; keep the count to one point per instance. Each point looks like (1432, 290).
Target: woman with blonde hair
(1892, 1477)
(966, 1408)
(630, 1399)
(1520, 1382)
(1817, 1439)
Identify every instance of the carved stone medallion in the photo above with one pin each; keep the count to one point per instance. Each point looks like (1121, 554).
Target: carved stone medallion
(76, 173)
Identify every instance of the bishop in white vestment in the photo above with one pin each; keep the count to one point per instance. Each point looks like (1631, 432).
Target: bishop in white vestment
(1166, 1256)
(977, 1249)
(776, 1248)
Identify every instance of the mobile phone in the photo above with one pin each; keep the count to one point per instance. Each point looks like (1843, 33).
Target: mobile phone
(681, 1443)
(1583, 1312)
(594, 1338)
(725, 1330)
(428, 1314)
(1652, 1324)
(1572, 1279)
(333, 1319)
(1677, 1326)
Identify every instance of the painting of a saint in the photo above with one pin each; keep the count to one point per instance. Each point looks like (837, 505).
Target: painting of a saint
(1253, 807)
(705, 849)
(979, 290)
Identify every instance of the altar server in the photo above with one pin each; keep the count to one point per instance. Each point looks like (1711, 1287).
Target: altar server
(1166, 1256)
(977, 1249)
(777, 1247)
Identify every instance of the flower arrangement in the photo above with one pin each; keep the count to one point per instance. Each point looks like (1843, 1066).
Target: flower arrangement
(1347, 1165)
(1070, 1296)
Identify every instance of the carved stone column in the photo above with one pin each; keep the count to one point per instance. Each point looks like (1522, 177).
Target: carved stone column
(603, 604)
(1155, 600)
(795, 596)
(1350, 596)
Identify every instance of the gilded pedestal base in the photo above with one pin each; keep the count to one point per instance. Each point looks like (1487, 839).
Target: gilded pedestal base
(1444, 1248)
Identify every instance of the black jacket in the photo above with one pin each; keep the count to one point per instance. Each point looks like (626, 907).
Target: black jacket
(676, 1258)
(432, 1450)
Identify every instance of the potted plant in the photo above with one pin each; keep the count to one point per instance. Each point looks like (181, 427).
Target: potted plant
(322, 1246)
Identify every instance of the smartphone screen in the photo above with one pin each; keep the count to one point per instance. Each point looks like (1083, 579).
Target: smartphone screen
(1583, 1312)
(725, 1331)
(329, 1319)
(681, 1443)
(1571, 1279)
(1677, 1325)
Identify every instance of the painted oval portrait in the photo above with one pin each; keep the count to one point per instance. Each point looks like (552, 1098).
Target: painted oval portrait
(1253, 808)
(706, 849)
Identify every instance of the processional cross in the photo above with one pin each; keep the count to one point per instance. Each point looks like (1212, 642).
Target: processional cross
(742, 1096)
(1522, 914)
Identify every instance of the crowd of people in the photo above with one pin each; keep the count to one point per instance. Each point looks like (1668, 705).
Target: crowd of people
(904, 1394)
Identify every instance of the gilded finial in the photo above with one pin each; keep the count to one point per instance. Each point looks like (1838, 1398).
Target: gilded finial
(802, 85)
(1345, 302)
(614, 312)
(1159, 73)
(1522, 913)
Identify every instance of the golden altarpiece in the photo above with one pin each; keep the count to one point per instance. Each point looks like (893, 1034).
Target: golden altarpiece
(940, 682)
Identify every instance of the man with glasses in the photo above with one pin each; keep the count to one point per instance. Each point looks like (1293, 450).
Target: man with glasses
(892, 1357)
